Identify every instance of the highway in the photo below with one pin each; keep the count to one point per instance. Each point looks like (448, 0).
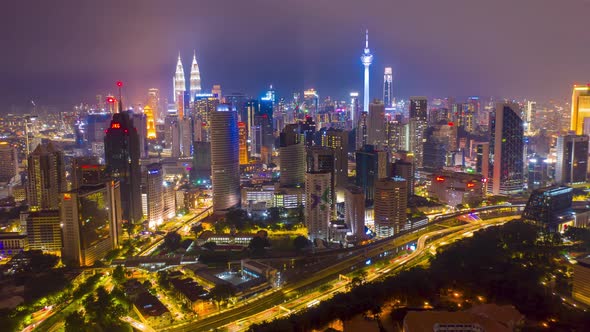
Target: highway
(269, 299)
(423, 249)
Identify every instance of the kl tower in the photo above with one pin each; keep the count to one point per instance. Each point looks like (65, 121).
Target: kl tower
(366, 59)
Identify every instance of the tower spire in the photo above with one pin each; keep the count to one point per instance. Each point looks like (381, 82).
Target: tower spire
(367, 38)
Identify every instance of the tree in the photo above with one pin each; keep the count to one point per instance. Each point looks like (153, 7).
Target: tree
(221, 293)
(301, 242)
(40, 262)
(75, 322)
(119, 274)
(257, 245)
(172, 241)
(197, 229)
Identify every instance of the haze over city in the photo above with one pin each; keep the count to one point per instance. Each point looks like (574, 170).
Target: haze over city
(65, 52)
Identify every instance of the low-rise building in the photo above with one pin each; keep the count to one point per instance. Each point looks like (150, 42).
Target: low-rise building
(581, 285)
(454, 188)
(12, 243)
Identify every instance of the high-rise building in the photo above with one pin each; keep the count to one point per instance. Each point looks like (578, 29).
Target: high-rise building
(179, 86)
(354, 109)
(225, 163)
(337, 140)
(318, 204)
(371, 165)
(87, 171)
(572, 159)
(580, 108)
(46, 177)
(376, 124)
(140, 125)
(482, 161)
(91, 224)
(362, 131)
(311, 102)
(201, 170)
(531, 110)
(153, 101)
(195, 79)
(388, 87)
(417, 126)
(391, 202)
(155, 194)
(9, 166)
(366, 59)
(150, 122)
(354, 211)
(292, 157)
(216, 91)
(186, 137)
(243, 141)
(44, 231)
(122, 152)
(506, 150)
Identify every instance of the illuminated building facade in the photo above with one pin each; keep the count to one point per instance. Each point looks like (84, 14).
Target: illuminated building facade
(506, 151)
(454, 188)
(46, 177)
(580, 108)
(572, 159)
(376, 124)
(391, 202)
(243, 142)
(150, 122)
(91, 224)
(195, 79)
(225, 163)
(371, 165)
(337, 140)
(551, 208)
(366, 59)
(417, 126)
(122, 153)
(354, 209)
(388, 87)
(9, 166)
(44, 231)
(155, 195)
(354, 109)
(179, 87)
(318, 206)
(311, 102)
(292, 157)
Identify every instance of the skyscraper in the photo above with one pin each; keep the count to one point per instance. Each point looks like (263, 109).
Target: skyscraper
(44, 231)
(391, 202)
(318, 204)
(354, 108)
(366, 59)
(155, 194)
(572, 159)
(153, 102)
(46, 177)
(122, 151)
(195, 79)
(376, 124)
(225, 163)
(150, 122)
(371, 165)
(337, 140)
(580, 108)
(506, 150)
(292, 157)
(9, 166)
(243, 141)
(179, 86)
(417, 125)
(388, 87)
(91, 224)
(354, 211)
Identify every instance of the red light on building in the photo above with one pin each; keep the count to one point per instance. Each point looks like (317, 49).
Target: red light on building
(470, 185)
(484, 180)
(89, 167)
(451, 124)
(67, 197)
(440, 179)
(110, 100)
(116, 125)
(119, 83)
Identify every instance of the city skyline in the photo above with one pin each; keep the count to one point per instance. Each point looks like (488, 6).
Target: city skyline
(434, 58)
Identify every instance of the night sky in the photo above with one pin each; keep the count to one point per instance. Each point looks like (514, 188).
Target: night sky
(62, 52)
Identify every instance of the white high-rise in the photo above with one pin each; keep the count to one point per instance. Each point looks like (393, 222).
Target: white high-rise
(195, 79)
(179, 82)
(366, 59)
(388, 87)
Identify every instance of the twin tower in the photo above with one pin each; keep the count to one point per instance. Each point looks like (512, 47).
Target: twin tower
(179, 83)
